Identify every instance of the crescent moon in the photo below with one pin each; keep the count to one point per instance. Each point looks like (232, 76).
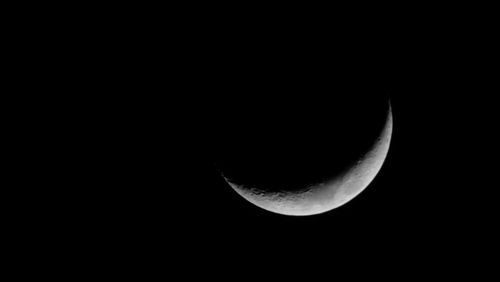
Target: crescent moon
(331, 194)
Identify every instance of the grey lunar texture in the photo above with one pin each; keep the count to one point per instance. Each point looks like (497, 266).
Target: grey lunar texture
(328, 195)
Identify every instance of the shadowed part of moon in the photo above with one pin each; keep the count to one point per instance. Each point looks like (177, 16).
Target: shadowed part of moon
(330, 194)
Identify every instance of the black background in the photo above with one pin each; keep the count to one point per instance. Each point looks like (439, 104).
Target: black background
(168, 193)
(152, 107)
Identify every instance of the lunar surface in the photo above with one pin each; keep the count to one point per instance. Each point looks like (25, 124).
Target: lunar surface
(327, 193)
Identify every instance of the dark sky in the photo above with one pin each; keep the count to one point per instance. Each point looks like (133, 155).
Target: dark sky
(125, 113)
(154, 185)
(174, 189)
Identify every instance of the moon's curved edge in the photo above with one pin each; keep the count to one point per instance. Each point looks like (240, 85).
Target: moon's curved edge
(330, 195)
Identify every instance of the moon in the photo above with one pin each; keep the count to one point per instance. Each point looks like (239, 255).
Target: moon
(330, 193)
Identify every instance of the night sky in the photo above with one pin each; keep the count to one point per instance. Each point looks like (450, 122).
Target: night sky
(150, 184)
(174, 189)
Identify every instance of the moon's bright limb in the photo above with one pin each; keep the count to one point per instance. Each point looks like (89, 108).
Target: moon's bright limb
(330, 194)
